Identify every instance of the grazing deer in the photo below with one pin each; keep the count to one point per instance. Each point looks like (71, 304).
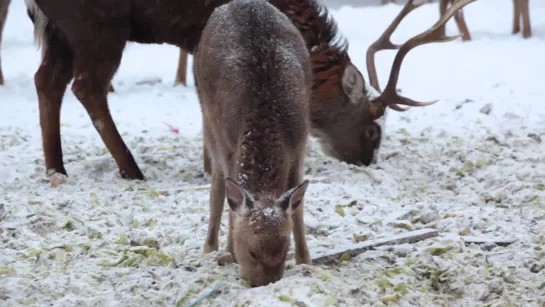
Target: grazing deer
(4, 4)
(345, 116)
(521, 14)
(254, 82)
(348, 115)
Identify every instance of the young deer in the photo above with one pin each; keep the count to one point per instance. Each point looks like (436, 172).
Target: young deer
(253, 76)
(4, 4)
(521, 10)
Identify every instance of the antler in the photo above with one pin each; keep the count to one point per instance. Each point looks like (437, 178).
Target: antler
(389, 96)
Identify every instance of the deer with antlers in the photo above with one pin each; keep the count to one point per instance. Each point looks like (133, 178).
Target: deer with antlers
(521, 14)
(345, 114)
(254, 82)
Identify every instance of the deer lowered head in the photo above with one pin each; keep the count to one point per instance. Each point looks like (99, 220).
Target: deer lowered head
(253, 76)
(348, 114)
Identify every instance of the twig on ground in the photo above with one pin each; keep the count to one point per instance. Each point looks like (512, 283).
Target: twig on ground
(207, 295)
(356, 249)
(483, 240)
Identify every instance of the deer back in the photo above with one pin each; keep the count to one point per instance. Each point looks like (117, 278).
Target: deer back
(253, 75)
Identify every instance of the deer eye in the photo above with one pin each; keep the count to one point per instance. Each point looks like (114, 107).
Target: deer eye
(253, 256)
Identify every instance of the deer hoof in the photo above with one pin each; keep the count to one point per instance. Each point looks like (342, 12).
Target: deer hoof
(137, 174)
(225, 258)
(56, 179)
(303, 260)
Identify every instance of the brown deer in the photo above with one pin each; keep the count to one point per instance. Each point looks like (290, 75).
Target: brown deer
(254, 82)
(4, 4)
(521, 10)
(344, 113)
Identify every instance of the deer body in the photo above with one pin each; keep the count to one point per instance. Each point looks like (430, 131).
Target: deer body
(253, 77)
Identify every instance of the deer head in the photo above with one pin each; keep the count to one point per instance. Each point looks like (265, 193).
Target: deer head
(348, 114)
(261, 230)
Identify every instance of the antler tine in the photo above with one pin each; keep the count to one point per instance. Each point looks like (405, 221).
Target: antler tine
(384, 42)
(390, 97)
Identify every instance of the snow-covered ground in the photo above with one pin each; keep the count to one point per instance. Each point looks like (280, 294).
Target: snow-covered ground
(472, 165)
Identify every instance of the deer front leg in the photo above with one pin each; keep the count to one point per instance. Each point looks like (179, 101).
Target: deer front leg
(516, 16)
(90, 86)
(302, 254)
(181, 73)
(205, 153)
(56, 61)
(442, 9)
(462, 26)
(525, 12)
(217, 199)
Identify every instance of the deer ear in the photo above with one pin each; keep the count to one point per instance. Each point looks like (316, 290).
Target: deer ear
(353, 84)
(290, 201)
(239, 200)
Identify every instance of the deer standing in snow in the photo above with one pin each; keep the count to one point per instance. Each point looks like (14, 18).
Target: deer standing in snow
(521, 14)
(254, 82)
(347, 115)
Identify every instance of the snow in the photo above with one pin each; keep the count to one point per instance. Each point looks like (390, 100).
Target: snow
(448, 166)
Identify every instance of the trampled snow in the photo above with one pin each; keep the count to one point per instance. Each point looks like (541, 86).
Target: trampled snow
(471, 165)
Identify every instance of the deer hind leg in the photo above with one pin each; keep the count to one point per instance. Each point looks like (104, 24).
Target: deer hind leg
(181, 73)
(51, 80)
(93, 72)
(205, 151)
(217, 200)
(462, 26)
(525, 13)
(442, 9)
(4, 4)
(516, 16)
(302, 254)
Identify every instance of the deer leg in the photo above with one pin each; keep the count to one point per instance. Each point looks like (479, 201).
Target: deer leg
(442, 9)
(217, 199)
(93, 74)
(4, 4)
(525, 12)
(462, 27)
(302, 254)
(51, 80)
(516, 16)
(205, 154)
(181, 73)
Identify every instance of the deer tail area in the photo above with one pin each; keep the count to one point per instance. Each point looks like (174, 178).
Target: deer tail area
(40, 22)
